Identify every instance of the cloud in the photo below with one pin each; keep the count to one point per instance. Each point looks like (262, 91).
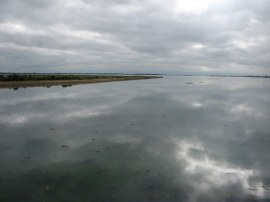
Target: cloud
(135, 36)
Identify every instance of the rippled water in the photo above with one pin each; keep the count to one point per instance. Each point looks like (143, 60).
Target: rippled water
(170, 139)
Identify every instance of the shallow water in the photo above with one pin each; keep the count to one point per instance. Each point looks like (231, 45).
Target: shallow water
(170, 139)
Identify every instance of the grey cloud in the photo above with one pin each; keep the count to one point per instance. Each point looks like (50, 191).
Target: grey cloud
(123, 35)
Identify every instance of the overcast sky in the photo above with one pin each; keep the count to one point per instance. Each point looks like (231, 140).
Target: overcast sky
(157, 36)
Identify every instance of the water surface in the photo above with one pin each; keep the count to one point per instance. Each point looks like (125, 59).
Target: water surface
(171, 139)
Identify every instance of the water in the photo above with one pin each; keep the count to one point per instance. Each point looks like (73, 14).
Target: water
(170, 139)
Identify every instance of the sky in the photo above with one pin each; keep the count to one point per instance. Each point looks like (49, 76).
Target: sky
(135, 36)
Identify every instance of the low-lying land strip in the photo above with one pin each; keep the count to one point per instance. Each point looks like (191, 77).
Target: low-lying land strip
(24, 80)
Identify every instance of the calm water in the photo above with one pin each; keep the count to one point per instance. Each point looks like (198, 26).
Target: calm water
(172, 139)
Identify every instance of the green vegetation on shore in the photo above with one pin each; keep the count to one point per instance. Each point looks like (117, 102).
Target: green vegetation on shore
(31, 80)
(30, 77)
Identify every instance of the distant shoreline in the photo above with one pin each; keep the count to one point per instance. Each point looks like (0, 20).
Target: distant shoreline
(24, 81)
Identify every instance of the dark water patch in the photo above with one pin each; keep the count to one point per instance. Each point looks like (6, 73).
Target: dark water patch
(91, 180)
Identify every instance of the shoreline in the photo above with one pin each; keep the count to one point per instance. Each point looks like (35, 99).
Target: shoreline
(69, 82)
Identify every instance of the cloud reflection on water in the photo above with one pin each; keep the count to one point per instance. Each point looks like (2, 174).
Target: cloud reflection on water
(205, 141)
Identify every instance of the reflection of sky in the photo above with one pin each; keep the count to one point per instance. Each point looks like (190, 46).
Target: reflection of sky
(216, 174)
(206, 138)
